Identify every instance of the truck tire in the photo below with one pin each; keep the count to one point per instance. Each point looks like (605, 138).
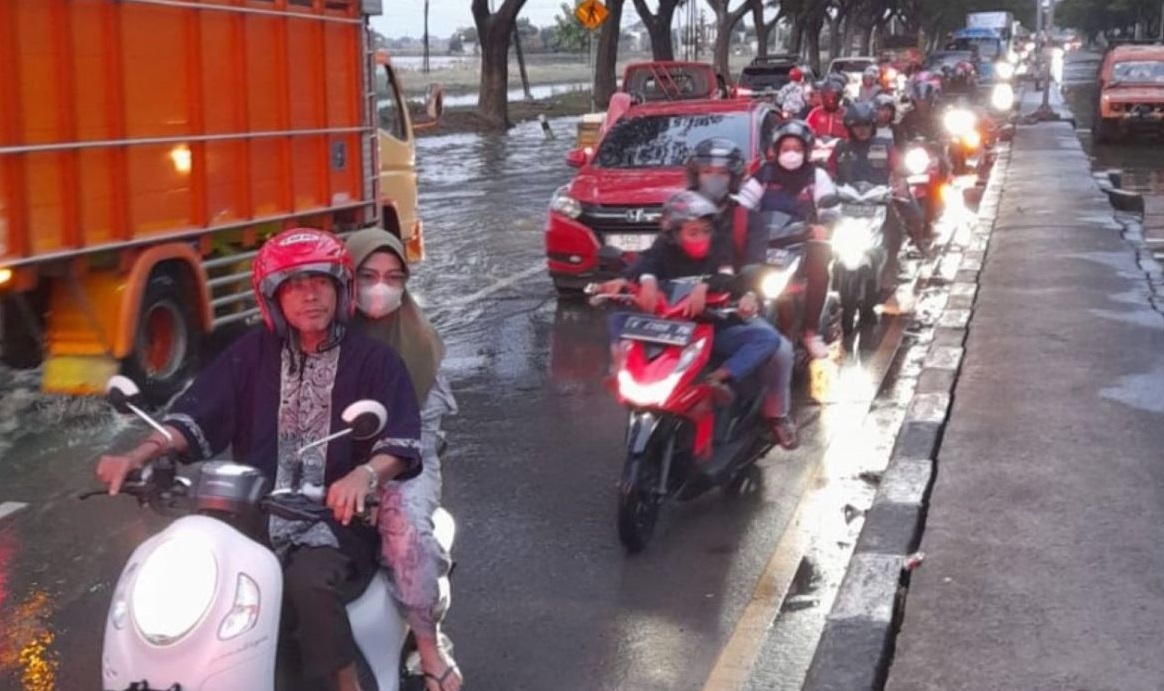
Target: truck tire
(166, 341)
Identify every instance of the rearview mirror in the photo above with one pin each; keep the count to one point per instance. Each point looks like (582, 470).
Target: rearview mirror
(121, 391)
(434, 108)
(577, 158)
(365, 418)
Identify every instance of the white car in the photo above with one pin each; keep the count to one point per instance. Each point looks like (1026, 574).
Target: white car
(852, 68)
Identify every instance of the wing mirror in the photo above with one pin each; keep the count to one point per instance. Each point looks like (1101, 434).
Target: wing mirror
(434, 108)
(577, 158)
(365, 418)
(122, 393)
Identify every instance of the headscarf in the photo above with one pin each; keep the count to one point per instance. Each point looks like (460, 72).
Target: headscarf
(407, 330)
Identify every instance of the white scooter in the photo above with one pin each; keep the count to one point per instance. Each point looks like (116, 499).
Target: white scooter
(197, 606)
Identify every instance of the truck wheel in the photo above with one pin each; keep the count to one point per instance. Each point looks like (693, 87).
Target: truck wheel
(167, 342)
(1102, 132)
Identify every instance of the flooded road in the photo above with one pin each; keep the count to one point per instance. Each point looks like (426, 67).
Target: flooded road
(1141, 159)
(544, 596)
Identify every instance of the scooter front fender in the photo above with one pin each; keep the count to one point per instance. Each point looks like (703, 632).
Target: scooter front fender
(197, 659)
(640, 427)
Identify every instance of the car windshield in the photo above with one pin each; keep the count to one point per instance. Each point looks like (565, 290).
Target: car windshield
(851, 65)
(940, 60)
(1138, 71)
(660, 141)
(988, 48)
(760, 77)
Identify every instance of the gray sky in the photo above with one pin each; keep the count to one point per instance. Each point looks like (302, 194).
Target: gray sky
(406, 17)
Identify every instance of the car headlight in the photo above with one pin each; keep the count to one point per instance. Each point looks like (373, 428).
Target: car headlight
(174, 588)
(852, 238)
(1002, 97)
(245, 612)
(657, 393)
(565, 204)
(959, 121)
(1004, 70)
(775, 282)
(917, 161)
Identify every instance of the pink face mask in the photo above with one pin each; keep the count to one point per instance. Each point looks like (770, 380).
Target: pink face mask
(696, 249)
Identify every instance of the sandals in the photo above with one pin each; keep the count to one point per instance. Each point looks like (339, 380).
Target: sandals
(442, 678)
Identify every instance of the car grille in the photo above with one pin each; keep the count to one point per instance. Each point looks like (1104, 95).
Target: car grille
(1138, 108)
(621, 219)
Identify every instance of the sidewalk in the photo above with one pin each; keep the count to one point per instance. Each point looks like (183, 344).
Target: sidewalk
(1044, 538)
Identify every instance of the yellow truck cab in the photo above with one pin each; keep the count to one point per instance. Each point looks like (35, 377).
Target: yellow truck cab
(147, 149)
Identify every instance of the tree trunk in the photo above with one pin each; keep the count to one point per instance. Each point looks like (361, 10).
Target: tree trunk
(521, 64)
(834, 37)
(605, 79)
(726, 20)
(761, 29)
(813, 31)
(659, 27)
(494, 32)
(867, 39)
(796, 36)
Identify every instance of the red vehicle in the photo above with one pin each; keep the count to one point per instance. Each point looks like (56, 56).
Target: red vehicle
(617, 196)
(680, 444)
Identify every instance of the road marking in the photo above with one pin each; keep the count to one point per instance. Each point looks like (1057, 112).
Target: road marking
(737, 661)
(539, 266)
(10, 507)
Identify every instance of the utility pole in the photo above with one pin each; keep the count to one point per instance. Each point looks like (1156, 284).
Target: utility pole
(426, 66)
(1162, 21)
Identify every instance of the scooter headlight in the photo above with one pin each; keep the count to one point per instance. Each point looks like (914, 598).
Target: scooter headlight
(1004, 69)
(1002, 97)
(775, 282)
(852, 239)
(657, 393)
(174, 589)
(245, 612)
(959, 122)
(565, 204)
(917, 161)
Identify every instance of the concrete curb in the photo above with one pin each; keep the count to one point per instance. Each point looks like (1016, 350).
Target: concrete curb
(856, 645)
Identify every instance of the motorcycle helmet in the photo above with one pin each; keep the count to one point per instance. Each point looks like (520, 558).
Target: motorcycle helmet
(923, 90)
(796, 74)
(872, 73)
(860, 114)
(686, 206)
(886, 102)
(793, 128)
(830, 94)
(719, 152)
(297, 251)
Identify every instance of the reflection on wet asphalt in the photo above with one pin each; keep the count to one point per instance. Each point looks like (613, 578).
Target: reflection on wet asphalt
(544, 597)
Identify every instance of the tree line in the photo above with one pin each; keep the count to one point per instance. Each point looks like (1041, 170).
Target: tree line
(847, 23)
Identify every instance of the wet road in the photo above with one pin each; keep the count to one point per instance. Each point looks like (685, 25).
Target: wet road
(1140, 159)
(544, 597)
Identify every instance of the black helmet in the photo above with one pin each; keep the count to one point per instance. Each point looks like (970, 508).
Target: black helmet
(716, 151)
(860, 114)
(923, 90)
(793, 128)
(686, 206)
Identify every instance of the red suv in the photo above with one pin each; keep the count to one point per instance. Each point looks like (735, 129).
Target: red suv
(617, 196)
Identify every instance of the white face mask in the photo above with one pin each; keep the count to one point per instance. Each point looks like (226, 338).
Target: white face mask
(791, 160)
(379, 300)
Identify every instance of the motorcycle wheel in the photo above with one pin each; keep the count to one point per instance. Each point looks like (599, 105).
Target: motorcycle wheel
(850, 304)
(638, 505)
(868, 313)
(746, 484)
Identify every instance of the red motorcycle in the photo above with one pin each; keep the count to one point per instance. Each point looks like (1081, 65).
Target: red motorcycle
(680, 444)
(927, 179)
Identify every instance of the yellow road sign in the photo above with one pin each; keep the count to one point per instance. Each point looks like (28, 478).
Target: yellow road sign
(591, 13)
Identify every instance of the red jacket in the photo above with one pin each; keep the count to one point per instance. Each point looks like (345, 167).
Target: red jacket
(826, 124)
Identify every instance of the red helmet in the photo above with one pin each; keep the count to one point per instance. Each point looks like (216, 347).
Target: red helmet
(795, 74)
(301, 250)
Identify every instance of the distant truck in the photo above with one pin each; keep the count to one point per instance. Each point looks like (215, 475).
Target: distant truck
(1002, 22)
(148, 148)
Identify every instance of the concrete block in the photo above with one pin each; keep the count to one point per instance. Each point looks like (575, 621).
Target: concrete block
(869, 589)
(890, 529)
(956, 319)
(936, 381)
(944, 357)
(929, 407)
(852, 656)
(917, 440)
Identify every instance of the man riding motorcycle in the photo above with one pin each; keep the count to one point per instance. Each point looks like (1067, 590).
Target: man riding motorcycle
(683, 250)
(870, 88)
(793, 96)
(273, 391)
(886, 107)
(791, 184)
(868, 157)
(827, 119)
(716, 171)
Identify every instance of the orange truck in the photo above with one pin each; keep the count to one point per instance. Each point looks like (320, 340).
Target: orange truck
(148, 147)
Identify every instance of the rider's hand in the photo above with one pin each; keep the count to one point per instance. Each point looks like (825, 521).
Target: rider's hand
(749, 306)
(112, 470)
(612, 286)
(818, 233)
(648, 297)
(697, 301)
(346, 496)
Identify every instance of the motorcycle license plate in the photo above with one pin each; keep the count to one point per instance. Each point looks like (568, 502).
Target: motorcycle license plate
(631, 242)
(858, 210)
(664, 331)
(779, 257)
